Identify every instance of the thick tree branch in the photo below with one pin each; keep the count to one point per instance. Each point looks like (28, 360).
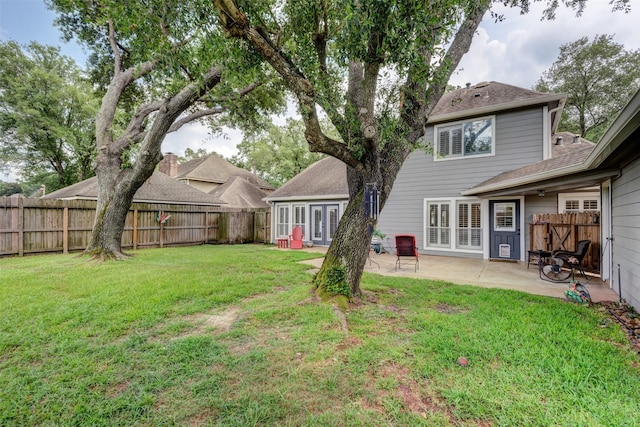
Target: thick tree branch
(117, 61)
(459, 46)
(195, 116)
(237, 25)
(241, 93)
(169, 112)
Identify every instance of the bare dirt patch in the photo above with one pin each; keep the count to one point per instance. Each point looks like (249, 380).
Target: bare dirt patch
(415, 397)
(203, 322)
(449, 309)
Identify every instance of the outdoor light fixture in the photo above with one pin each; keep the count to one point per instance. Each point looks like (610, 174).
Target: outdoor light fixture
(541, 193)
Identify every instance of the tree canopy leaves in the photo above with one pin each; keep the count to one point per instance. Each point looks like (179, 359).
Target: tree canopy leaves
(47, 112)
(599, 76)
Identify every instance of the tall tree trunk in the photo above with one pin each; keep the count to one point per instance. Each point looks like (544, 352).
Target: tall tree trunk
(349, 248)
(118, 184)
(116, 189)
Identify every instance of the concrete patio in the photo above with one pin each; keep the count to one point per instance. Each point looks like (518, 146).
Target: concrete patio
(478, 272)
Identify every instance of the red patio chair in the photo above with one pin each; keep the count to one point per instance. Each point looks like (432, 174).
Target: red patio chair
(295, 238)
(406, 250)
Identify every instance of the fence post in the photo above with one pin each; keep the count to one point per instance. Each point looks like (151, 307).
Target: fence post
(135, 229)
(20, 226)
(65, 228)
(206, 226)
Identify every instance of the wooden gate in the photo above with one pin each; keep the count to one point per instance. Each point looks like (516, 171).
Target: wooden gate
(551, 232)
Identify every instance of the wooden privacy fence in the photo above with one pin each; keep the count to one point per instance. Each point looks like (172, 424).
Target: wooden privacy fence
(563, 231)
(31, 225)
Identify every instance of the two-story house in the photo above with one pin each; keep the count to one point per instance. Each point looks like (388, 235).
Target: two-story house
(473, 135)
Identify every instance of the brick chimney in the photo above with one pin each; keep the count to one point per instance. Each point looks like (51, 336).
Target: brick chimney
(169, 165)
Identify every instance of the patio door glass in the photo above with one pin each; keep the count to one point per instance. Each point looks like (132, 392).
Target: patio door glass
(324, 223)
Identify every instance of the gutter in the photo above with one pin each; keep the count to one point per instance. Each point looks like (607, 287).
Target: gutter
(303, 198)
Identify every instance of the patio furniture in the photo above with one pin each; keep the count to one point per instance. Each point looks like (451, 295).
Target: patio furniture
(537, 256)
(561, 265)
(574, 259)
(406, 251)
(283, 243)
(295, 238)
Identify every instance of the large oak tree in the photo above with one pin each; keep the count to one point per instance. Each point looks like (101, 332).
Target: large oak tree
(161, 64)
(376, 68)
(599, 77)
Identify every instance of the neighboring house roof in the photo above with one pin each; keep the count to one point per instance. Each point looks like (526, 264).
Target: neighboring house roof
(237, 192)
(491, 97)
(214, 168)
(326, 178)
(159, 188)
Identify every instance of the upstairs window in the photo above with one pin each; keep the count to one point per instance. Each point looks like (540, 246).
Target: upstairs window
(464, 139)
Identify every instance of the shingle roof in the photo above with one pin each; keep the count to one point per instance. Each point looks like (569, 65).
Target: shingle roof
(492, 96)
(326, 177)
(563, 156)
(158, 188)
(237, 192)
(214, 168)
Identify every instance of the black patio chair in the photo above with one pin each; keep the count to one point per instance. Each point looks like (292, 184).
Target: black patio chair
(574, 259)
(406, 250)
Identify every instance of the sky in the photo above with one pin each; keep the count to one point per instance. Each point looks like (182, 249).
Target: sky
(515, 51)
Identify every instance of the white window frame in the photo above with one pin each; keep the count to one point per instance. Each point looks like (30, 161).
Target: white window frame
(514, 218)
(439, 156)
(440, 229)
(563, 198)
(470, 227)
(453, 228)
(296, 220)
(283, 219)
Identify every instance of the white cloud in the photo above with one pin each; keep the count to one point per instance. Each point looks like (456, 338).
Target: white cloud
(197, 135)
(519, 49)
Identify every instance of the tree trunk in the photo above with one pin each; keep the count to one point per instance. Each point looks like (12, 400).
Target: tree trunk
(117, 184)
(116, 189)
(349, 248)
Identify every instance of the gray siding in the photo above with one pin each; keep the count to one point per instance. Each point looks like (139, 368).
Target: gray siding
(519, 139)
(626, 232)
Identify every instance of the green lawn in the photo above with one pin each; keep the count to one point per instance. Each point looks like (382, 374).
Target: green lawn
(232, 336)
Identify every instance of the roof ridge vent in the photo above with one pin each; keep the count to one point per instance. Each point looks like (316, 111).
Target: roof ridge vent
(482, 84)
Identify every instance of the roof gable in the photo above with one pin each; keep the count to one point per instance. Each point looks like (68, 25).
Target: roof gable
(487, 98)
(214, 168)
(237, 192)
(326, 177)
